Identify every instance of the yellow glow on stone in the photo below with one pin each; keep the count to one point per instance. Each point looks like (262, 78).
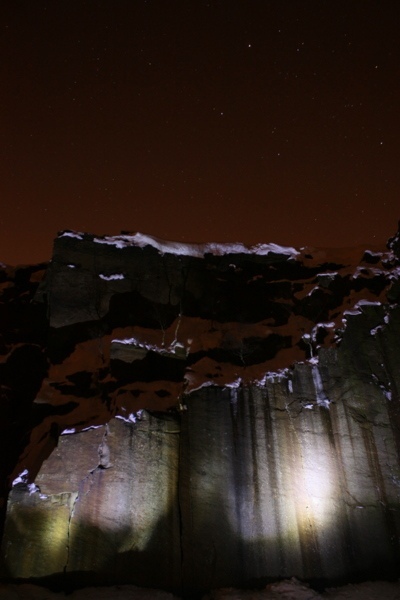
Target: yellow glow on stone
(120, 508)
(42, 525)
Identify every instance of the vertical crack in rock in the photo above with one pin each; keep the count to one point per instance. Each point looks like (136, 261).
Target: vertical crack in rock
(104, 451)
(179, 499)
(72, 504)
(244, 320)
(104, 463)
(175, 342)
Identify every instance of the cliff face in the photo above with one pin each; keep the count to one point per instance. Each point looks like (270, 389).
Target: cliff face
(209, 416)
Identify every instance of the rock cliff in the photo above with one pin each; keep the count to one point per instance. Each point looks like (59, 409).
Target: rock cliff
(189, 417)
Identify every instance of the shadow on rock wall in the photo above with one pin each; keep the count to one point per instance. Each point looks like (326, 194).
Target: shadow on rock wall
(94, 556)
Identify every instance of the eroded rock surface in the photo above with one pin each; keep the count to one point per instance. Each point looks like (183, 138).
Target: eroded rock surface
(220, 417)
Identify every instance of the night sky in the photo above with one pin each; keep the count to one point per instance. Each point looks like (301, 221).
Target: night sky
(251, 120)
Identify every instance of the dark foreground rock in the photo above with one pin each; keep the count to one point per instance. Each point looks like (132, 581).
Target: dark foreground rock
(283, 590)
(125, 592)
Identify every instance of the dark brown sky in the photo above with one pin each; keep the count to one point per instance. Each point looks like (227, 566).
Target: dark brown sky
(253, 121)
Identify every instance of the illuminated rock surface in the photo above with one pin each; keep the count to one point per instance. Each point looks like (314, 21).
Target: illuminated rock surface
(222, 416)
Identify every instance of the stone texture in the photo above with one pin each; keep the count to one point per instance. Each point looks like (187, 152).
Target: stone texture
(246, 484)
(273, 488)
(115, 521)
(207, 421)
(283, 590)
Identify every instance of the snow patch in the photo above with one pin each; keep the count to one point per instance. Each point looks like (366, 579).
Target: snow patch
(190, 379)
(315, 289)
(175, 348)
(71, 234)
(127, 341)
(387, 392)
(373, 253)
(131, 418)
(140, 240)
(273, 377)
(356, 310)
(32, 488)
(92, 427)
(22, 478)
(375, 330)
(137, 344)
(72, 430)
(68, 431)
(350, 313)
(234, 384)
(366, 272)
(234, 400)
(111, 277)
(314, 360)
(367, 303)
(314, 331)
(322, 399)
(394, 274)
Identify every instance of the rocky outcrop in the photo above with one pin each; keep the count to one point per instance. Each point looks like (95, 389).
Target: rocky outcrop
(210, 416)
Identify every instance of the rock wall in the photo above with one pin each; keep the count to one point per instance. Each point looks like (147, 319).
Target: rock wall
(247, 484)
(201, 443)
(104, 494)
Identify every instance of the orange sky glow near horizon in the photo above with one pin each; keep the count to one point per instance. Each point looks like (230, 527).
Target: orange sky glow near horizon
(202, 121)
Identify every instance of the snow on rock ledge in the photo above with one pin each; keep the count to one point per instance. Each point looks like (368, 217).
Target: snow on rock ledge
(265, 383)
(139, 240)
